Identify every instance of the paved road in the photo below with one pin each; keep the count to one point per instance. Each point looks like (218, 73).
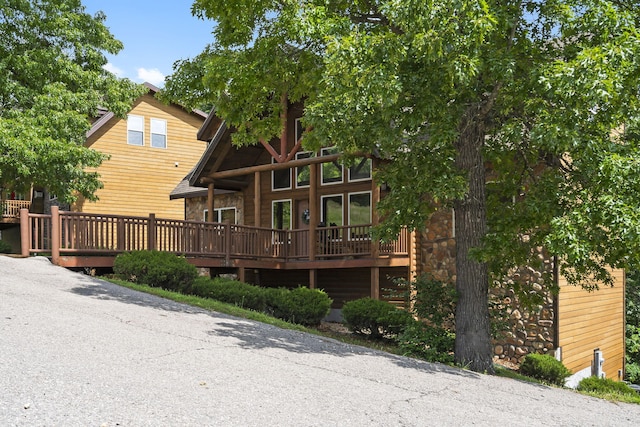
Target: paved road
(76, 351)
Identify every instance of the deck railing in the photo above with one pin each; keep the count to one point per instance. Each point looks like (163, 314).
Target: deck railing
(11, 208)
(72, 233)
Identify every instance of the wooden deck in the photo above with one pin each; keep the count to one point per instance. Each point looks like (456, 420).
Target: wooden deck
(10, 210)
(92, 240)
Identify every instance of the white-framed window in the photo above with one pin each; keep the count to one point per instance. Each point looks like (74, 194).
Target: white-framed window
(331, 210)
(280, 178)
(303, 173)
(332, 172)
(158, 133)
(360, 208)
(135, 130)
(281, 214)
(222, 215)
(360, 170)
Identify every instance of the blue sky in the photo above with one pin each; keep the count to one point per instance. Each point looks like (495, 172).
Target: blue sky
(155, 34)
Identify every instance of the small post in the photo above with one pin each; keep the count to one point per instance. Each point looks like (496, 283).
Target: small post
(375, 282)
(25, 226)
(55, 235)
(151, 232)
(227, 244)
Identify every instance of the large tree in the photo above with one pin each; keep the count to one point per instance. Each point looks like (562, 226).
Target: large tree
(519, 115)
(52, 55)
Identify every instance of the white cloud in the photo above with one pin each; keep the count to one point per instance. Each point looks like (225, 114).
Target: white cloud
(113, 69)
(153, 76)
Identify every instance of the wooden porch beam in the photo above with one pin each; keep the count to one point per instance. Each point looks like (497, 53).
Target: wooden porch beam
(269, 167)
(210, 200)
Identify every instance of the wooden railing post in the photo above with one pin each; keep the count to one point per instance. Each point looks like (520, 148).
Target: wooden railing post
(151, 232)
(25, 227)
(227, 244)
(55, 235)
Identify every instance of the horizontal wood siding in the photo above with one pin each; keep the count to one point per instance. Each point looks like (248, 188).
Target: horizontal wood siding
(590, 320)
(138, 179)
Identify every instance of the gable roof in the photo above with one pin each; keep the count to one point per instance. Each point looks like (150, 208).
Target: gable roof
(105, 116)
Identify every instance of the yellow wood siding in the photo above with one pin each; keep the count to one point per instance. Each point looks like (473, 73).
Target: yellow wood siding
(590, 320)
(138, 179)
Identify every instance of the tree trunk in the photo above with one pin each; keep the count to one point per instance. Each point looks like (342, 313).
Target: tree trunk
(473, 339)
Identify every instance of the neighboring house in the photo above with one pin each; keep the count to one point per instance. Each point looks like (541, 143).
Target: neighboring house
(150, 150)
(327, 210)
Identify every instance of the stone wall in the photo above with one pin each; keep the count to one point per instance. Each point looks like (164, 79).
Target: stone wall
(518, 330)
(195, 206)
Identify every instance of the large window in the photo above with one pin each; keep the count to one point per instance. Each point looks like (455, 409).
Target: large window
(331, 171)
(280, 178)
(135, 130)
(222, 215)
(360, 208)
(361, 170)
(158, 133)
(303, 173)
(331, 213)
(281, 214)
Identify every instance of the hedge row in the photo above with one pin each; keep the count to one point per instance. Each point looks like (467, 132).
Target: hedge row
(164, 270)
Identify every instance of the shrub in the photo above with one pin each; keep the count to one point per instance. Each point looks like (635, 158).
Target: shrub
(427, 342)
(545, 368)
(230, 291)
(156, 269)
(605, 386)
(429, 299)
(5, 248)
(300, 305)
(375, 317)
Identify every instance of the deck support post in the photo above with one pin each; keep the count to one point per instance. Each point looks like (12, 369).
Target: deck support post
(241, 274)
(313, 278)
(55, 235)
(25, 241)
(375, 282)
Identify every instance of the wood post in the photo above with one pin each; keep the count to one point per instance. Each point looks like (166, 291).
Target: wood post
(210, 201)
(227, 244)
(375, 199)
(257, 199)
(313, 210)
(241, 274)
(151, 232)
(25, 229)
(313, 278)
(375, 282)
(55, 235)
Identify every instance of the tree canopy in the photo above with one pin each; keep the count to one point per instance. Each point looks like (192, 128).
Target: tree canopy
(519, 115)
(52, 55)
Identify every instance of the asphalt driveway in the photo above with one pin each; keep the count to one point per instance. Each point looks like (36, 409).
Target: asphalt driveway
(77, 351)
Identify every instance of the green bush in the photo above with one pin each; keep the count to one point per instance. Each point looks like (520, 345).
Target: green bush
(604, 386)
(545, 368)
(5, 248)
(374, 317)
(231, 291)
(300, 305)
(427, 342)
(430, 299)
(156, 269)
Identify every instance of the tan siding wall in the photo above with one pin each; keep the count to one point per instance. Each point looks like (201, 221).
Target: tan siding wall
(138, 179)
(590, 320)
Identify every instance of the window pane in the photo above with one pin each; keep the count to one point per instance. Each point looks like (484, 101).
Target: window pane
(303, 173)
(332, 210)
(361, 170)
(360, 208)
(332, 171)
(228, 215)
(158, 141)
(281, 179)
(135, 138)
(281, 215)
